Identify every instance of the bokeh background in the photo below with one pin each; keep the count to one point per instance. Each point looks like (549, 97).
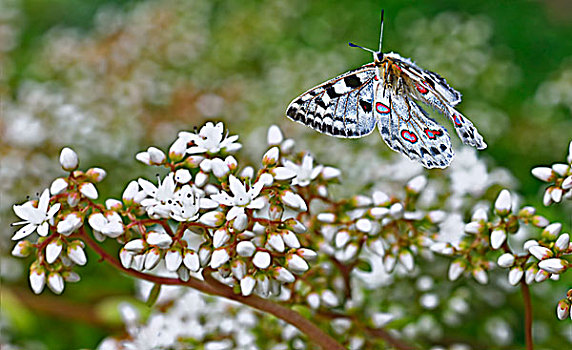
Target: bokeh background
(111, 77)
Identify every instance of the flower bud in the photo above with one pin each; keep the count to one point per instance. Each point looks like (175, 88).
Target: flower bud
(553, 265)
(380, 199)
(96, 174)
(276, 242)
(329, 298)
(561, 168)
(274, 136)
(396, 210)
(58, 186)
(178, 149)
(205, 255)
(377, 247)
(474, 227)
(126, 257)
(271, 156)
(238, 269)
(456, 269)
(294, 201)
(541, 276)
(193, 162)
(498, 236)
(173, 259)
(135, 246)
(56, 282)
(327, 218)
(22, 249)
(563, 309)
(220, 256)
(527, 211)
(389, 262)
(503, 203)
(544, 174)
(416, 185)
(220, 237)
(245, 248)
(364, 225)
(313, 300)
(406, 259)
(219, 168)
(290, 239)
(247, 285)
(562, 243)
(156, 156)
(191, 260)
(159, 239)
(342, 237)
(540, 252)
(539, 221)
(152, 258)
(76, 253)
(296, 264)
(37, 278)
(283, 275)
(262, 260)
(212, 218)
(552, 231)
(480, 275)
(53, 250)
(436, 216)
(88, 190)
(505, 260)
(515, 275)
(68, 159)
(307, 254)
(240, 223)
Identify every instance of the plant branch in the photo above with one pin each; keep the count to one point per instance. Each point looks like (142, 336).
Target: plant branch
(213, 287)
(527, 315)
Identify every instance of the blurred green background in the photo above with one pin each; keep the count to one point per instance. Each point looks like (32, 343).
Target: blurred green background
(111, 77)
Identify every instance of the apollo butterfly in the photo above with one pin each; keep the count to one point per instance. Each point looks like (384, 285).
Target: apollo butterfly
(386, 92)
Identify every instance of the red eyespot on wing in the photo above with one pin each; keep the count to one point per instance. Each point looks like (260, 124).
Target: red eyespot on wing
(432, 134)
(457, 120)
(381, 108)
(376, 77)
(409, 136)
(422, 89)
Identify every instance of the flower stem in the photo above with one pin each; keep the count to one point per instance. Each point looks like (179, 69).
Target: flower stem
(527, 315)
(213, 287)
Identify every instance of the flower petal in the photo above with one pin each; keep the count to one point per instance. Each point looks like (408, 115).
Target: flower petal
(24, 231)
(236, 187)
(44, 201)
(43, 229)
(234, 212)
(258, 203)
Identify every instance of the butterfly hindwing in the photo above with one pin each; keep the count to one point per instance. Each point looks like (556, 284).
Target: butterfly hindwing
(407, 129)
(424, 88)
(339, 107)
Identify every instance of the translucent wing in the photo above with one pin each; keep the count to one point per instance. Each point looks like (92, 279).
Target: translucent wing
(432, 89)
(340, 107)
(406, 128)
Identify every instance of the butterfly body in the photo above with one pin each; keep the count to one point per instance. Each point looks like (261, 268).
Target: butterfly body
(387, 93)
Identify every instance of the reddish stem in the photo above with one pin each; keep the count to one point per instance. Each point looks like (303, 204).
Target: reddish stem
(213, 287)
(527, 315)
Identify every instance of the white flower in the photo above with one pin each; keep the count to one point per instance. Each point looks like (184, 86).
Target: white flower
(76, 254)
(305, 172)
(245, 248)
(247, 285)
(240, 198)
(543, 173)
(68, 159)
(185, 205)
(553, 265)
(37, 279)
(498, 236)
(109, 224)
(456, 268)
(56, 282)
(261, 260)
(178, 149)
(159, 198)
(506, 260)
(515, 275)
(35, 218)
(210, 139)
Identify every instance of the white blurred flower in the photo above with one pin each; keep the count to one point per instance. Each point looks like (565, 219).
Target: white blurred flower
(210, 139)
(35, 218)
(305, 172)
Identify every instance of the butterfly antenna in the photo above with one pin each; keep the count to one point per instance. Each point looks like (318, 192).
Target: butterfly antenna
(361, 47)
(381, 31)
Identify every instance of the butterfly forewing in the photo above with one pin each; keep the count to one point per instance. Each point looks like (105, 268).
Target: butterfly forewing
(341, 106)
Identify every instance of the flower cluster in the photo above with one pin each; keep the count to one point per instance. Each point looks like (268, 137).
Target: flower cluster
(560, 177)
(203, 214)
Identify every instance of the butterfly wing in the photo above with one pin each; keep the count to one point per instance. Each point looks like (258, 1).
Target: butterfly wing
(406, 128)
(430, 88)
(341, 106)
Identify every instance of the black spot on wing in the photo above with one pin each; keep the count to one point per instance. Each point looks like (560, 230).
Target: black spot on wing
(365, 105)
(352, 81)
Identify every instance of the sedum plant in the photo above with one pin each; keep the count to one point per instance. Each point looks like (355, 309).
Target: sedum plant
(275, 239)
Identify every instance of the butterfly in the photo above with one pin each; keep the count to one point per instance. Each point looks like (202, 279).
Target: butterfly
(387, 93)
